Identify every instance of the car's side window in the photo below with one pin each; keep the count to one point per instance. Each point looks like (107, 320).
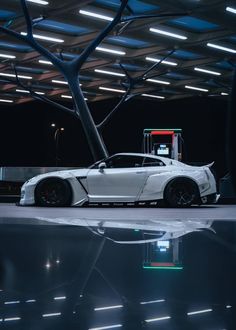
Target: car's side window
(122, 161)
(152, 162)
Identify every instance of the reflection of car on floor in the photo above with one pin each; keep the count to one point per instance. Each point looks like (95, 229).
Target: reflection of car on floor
(124, 177)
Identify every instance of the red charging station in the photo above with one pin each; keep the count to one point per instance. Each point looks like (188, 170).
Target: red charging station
(163, 142)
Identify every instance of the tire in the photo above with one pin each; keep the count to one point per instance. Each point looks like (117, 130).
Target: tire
(181, 192)
(53, 192)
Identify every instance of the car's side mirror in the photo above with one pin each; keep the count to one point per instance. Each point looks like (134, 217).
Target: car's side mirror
(101, 166)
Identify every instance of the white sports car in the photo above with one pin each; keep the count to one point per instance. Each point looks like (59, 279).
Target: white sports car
(123, 177)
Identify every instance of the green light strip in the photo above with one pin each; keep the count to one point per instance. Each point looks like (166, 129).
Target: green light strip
(162, 267)
(163, 129)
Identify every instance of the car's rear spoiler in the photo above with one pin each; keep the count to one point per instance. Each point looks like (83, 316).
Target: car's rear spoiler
(209, 165)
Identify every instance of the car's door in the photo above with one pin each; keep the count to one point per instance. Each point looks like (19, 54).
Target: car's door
(121, 180)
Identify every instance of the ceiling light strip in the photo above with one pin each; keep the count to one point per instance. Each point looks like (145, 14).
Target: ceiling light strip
(196, 88)
(7, 56)
(66, 96)
(12, 319)
(51, 314)
(70, 97)
(200, 312)
(60, 298)
(157, 81)
(231, 10)
(42, 37)
(207, 71)
(60, 82)
(28, 92)
(226, 49)
(108, 307)
(39, 2)
(157, 60)
(153, 96)
(111, 51)
(152, 301)
(95, 15)
(112, 89)
(107, 327)
(158, 319)
(110, 73)
(168, 34)
(10, 75)
(45, 62)
(6, 101)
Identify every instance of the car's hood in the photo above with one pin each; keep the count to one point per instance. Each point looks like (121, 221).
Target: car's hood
(61, 174)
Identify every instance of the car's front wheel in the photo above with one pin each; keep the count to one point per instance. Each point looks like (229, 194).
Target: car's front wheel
(181, 192)
(53, 192)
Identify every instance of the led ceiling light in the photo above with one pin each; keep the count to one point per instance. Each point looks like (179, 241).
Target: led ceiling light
(41, 37)
(158, 319)
(28, 92)
(70, 97)
(111, 51)
(197, 88)
(12, 319)
(107, 327)
(154, 96)
(51, 314)
(7, 56)
(157, 60)
(60, 298)
(112, 89)
(60, 82)
(224, 94)
(39, 2)
(45, 62)
(159, 81)
(231, 10)
(110, 73)
(152, 301)
(226, 49)
(66, 96)
(208, 71)
(30, 301)
(14, 76)
(200, 312)
(11, 302)
(6, 101)
(168, 34)
(108, 307)
(95, 15)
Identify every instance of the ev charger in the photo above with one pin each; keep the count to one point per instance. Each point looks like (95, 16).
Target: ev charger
(163, 142)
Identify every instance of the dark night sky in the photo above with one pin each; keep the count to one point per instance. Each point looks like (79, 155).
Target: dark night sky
(26, 137)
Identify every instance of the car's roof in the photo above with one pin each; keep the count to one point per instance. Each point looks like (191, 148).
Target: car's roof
(164, 159)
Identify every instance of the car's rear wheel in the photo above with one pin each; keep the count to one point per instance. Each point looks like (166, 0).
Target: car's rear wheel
(53, 192)
(181, 192)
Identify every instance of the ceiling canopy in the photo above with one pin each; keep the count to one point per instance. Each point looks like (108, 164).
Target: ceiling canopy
(194, 42)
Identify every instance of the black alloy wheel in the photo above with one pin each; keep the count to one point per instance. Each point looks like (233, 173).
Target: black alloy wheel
(181, 193)
(53, 192)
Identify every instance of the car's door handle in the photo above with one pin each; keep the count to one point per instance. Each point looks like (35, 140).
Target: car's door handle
(140, 172)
